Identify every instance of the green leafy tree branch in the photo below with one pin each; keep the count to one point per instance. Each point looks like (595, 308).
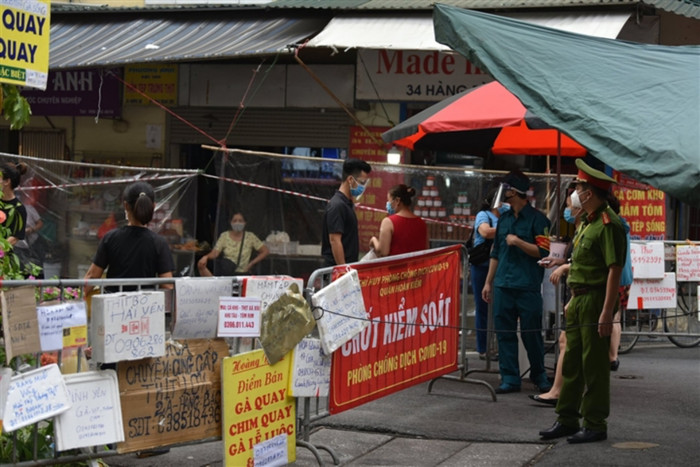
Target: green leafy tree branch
(15, 108)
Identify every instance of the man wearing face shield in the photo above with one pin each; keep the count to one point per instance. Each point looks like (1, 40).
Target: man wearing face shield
(514, 284)
(340, 241)
(599, 254)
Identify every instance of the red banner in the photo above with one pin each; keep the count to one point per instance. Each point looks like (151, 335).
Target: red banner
(414, 308)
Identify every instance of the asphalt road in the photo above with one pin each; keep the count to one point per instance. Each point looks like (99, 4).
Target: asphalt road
(654, 421)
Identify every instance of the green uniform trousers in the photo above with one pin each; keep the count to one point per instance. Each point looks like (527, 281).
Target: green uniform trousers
(586, 367)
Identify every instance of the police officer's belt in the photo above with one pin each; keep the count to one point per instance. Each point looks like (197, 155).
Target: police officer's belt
(576, 291)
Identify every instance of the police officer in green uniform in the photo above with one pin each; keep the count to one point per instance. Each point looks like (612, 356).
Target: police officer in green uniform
(515, 279)
(599, 254)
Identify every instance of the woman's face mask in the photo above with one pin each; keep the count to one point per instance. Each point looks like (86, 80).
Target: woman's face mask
(568, 216)
(503, 208)
(390, 209)
(237, 226)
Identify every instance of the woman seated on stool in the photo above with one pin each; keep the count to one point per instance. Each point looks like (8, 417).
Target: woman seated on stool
(237, 246)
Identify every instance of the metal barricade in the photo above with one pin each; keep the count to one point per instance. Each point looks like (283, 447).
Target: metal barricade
(34, 448)
(314, 409)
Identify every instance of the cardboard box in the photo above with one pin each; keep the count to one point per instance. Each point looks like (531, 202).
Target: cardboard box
(127, 326)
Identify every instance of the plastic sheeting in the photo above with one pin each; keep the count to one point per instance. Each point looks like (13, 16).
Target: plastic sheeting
(633, 106)
(79, 202)
(288, 195)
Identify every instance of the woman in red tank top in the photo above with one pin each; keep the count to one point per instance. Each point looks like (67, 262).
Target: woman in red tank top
(402, 231)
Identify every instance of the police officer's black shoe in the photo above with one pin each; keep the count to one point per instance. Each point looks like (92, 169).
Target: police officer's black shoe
(558, 430)
(587, 436)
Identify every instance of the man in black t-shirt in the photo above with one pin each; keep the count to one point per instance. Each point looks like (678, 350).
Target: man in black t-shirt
(340, 242)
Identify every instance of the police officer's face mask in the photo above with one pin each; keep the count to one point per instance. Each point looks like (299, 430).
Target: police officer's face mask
(576, 201)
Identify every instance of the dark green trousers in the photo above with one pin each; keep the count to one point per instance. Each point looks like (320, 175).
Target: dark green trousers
(586, 368)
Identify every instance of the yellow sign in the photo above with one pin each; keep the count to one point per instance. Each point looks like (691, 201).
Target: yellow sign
(157, 81)
(258, 413)
(24, 42)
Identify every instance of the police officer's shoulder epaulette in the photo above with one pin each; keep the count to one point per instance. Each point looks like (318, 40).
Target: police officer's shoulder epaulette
(605, 217)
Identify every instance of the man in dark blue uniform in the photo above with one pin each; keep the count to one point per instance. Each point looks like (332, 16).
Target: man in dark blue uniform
(600, 252)
(340, 242)
(514, 282)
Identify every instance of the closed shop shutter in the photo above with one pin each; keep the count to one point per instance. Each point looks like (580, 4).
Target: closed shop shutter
(262, 127)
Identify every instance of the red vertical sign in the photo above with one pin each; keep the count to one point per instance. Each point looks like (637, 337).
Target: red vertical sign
(367, 147)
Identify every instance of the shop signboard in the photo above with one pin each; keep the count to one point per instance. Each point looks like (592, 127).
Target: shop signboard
(157, 81)
(78, 93)
(24, 42)
(414, 75)
(413, 307)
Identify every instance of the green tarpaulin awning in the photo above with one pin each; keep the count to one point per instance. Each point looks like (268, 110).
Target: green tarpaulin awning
(636, 107)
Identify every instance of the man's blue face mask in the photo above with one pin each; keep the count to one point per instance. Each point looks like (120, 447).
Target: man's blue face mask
(357, 191)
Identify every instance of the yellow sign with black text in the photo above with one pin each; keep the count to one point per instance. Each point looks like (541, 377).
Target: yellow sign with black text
(25, 27)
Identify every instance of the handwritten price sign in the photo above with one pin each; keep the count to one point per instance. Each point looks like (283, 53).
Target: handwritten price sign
(647, 260)
(688, 263)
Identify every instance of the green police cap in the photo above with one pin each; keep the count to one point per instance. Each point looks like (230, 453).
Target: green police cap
(588, 174)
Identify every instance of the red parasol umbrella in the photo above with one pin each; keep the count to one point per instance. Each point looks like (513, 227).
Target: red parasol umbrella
(484, 119)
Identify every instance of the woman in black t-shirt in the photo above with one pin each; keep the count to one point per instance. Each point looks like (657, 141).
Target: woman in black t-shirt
(134, 251)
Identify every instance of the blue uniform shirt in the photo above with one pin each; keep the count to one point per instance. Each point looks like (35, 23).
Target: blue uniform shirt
(516, 269)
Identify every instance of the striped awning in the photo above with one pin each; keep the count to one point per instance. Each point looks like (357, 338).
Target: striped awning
(79, 41)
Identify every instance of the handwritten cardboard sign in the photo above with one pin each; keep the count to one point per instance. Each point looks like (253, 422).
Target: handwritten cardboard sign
(239, 317)
(95, 417)
(268, 288)
(311, 370)
(19, 321)
(648, 294)
(54, 317)
(174, 398)
(34, 396)
(688, 263)
(197, 306)
(256, 407)
(344, 314)
(127, 326)
(647, 260)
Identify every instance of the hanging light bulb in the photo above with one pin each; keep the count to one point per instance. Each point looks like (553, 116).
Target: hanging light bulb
(393, 156)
